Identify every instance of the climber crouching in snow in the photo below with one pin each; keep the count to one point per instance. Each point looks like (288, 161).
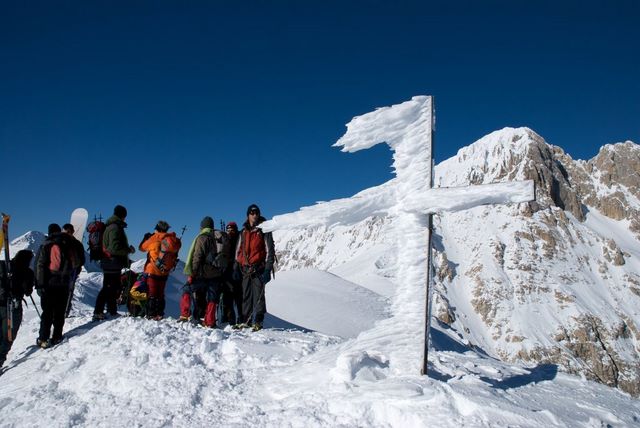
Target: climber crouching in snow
(204, 268)
(254, 260)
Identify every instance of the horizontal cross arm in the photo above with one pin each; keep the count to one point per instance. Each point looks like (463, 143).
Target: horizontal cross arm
(463, 198)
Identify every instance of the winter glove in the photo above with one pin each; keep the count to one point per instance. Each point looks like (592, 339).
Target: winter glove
(266, 276)
(131, 249)
(147, 236)
(28, 291)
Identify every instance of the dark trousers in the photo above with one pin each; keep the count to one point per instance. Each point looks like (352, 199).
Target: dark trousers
(254, 305)
(156, 303)
(5, 344)
(109, 293)
(54, 307)
(232, 296)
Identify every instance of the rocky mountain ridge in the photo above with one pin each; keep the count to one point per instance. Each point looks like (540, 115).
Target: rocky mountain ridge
(550, 281)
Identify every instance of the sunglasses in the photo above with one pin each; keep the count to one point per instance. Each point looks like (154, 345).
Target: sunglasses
(254, 212)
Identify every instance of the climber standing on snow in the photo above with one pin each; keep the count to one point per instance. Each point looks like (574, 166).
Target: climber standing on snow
(232, 284)
(204, 269)
(162, 248)
(53, 272)
(254, 257)
(116, 249)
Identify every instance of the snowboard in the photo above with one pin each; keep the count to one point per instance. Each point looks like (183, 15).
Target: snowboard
(79, 218)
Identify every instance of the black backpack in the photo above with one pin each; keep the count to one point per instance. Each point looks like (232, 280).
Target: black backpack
(46, 277)
(218, 256)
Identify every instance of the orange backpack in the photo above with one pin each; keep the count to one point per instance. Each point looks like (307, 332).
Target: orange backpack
(168, 257)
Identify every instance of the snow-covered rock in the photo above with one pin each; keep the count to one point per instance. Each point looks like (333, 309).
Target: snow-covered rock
(551, 281)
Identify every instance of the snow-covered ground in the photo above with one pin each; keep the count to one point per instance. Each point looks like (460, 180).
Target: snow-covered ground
(296, 372)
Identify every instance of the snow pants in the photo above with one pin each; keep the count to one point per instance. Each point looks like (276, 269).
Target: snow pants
(254, 305)
(156, 303)
(205, 296)
(5, 344)
(109, 294)
(54, 308)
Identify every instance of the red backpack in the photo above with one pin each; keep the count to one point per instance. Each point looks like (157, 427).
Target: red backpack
(168, 257)
(96, 231)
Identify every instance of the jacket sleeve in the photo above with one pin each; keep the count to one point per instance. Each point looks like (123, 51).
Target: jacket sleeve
(40, 265)
(239, 249)
(199, 256)
(271, 252)
(81, 257)
(145, 245)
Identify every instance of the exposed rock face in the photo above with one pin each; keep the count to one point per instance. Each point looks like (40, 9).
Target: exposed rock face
(553, 281)
(534, 272)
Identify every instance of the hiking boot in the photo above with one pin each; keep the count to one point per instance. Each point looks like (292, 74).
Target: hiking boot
(256, 327)
(44, 344)
(97, 317)
(57, 340)
(156, 318)
(239, 326)
(183, 318)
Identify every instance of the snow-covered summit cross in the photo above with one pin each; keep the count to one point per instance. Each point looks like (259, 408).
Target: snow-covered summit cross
(408, 130)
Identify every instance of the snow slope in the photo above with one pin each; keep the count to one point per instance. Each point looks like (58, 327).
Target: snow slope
(134, 372)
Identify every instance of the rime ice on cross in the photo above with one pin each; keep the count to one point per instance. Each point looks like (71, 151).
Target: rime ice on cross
(408, 130)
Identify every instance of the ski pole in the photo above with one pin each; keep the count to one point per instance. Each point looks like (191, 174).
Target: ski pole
(35, 306)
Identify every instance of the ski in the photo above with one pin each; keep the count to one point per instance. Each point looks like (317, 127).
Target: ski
(7, 258)
(79, 218)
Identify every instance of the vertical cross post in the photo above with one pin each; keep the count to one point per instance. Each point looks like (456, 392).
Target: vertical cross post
(429, 284)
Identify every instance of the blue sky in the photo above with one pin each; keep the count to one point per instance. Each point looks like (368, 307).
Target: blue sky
(183, 109)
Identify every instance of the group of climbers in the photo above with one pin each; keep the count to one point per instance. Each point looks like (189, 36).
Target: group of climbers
(230, 267)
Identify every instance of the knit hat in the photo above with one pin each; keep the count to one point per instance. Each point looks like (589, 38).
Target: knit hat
(120, 212)
(232, 225)
(53, 228)
(162, 226)
(253, 207)
(68, 228)
(206, 222)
